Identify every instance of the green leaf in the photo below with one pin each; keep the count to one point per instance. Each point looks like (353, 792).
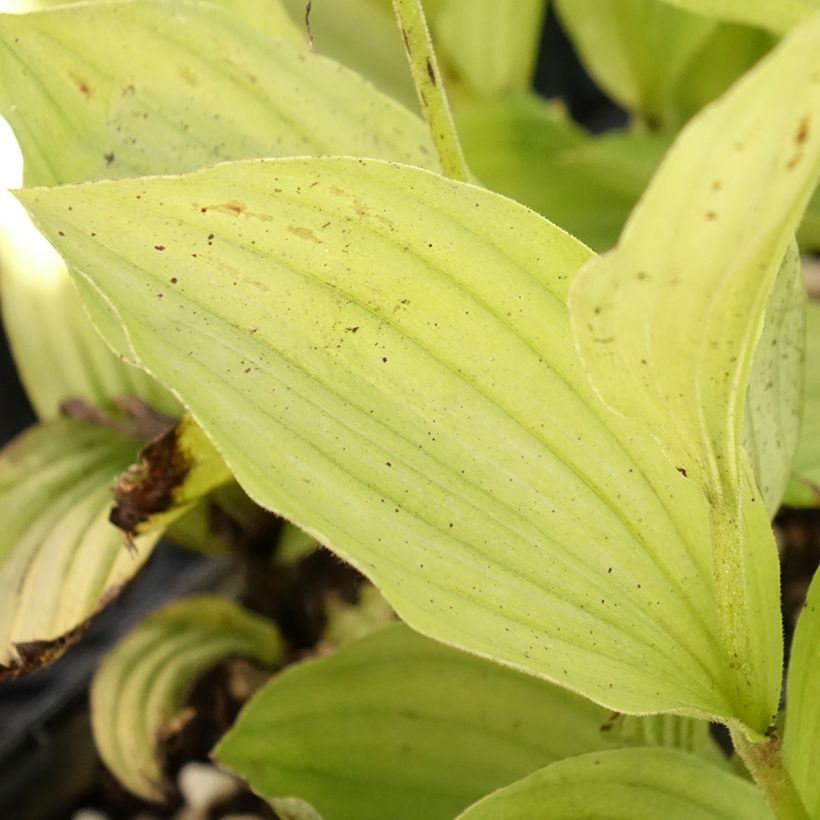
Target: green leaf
(60, 559)
(626, 784)
(801, 738)
(169, 87)
(771, 421)
(667, 324)
(492, 46)
(637, 50)
(529, 150)
(508, 512)
(777, 15)
(363, 35)
(804, 488)
(395, 725)
(142, 683)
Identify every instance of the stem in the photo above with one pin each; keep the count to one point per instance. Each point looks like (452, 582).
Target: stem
(429, 87)
(765, 762)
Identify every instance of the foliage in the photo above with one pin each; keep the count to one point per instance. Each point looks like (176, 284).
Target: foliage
(561, 463)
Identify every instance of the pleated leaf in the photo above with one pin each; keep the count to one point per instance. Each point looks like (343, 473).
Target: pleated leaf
(492, 46)
(395, 725)
(61, 561)
(804, 488)
(384, 358)
(142, 683)
(777, 15)
(801, 739)
(123, 89)
(771, 421)
(667, 324)
(626, 784)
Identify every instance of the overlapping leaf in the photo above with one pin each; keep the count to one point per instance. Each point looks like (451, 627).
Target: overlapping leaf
(381, 345)
(626, 784)
(142, 683)
(395, 725)
(804, 488)
(162, 88)
(667, 324)
(771, 421)
(60, 559)
(801, 741)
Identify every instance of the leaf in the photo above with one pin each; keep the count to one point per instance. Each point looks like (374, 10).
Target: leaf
(60, 560)
(492, 46)
(778, 15)
(529, 150)
(395, 725)
(390, 367)
(636, 50)
(626, 784)
(141, 685)
(804, 488)
(175, 471)
(771, 421)
(667, 324)
(801, 738)
(169, 87)
(363, 35)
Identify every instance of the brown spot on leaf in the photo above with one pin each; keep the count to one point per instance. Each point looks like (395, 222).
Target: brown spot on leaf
(188, 76)
(148, 487)
(234, 208)
(82, 84)
(304, 233)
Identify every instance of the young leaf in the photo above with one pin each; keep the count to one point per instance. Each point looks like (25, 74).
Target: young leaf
(165, 88)
(667, 324)
(778, 15)
(373, 343)
(395, 725)
(637, 50)
(141, 684)
(60, 559)
(804, 488)
(771, 421)
(491, 45)
(627, 784)
(801, 738)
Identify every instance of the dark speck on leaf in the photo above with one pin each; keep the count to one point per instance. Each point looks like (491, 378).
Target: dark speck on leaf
(682, 471)
(109, 157)
(159, 247)
(174, 280)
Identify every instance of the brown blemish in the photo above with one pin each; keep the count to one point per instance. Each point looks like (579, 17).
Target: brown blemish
(234, 208)
(802, 131)
(148, 487)
(717, 185)
(109, 157)
(188, 76)
(82, 84)
(304, 233)
(159, 247)
(711, 216)
(431, 71)
(682, 471)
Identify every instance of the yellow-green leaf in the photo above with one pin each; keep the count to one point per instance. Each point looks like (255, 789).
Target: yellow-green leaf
(122, 89)
(61, 561)
(626, 784)
(667, 324)
(801, 739)
(778, 15)
(804, 488)
(492, 46)
(637, 50)
(771, 421)
(395, 725)
(384, 358)
(142, 683)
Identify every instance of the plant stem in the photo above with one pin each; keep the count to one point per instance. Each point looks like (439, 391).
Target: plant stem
(430, 88)
(765, 762)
